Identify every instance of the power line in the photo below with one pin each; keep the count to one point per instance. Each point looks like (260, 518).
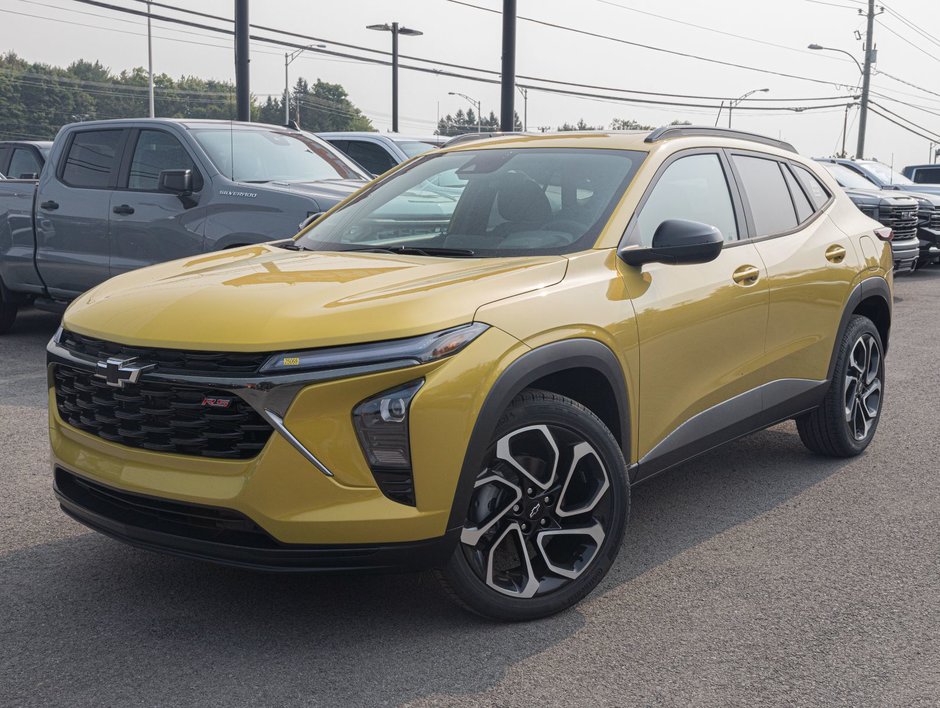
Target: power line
(936, 136)
(911, 25)
(907, 41)
(900, 125)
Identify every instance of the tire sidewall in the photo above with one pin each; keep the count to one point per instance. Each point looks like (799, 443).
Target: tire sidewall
(857, 327)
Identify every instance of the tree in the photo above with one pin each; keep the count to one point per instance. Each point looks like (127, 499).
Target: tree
(581, 125)
(628, 124)
(461, 123)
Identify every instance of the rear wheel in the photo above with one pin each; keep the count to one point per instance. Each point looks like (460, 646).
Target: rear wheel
(547, 515)
(845, 423)
(7, 313)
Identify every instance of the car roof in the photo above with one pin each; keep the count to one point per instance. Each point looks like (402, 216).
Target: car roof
(396, 137)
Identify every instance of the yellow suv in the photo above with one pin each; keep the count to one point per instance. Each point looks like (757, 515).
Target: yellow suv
(467, 364)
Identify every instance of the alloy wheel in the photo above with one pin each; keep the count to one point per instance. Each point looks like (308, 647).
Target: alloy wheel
(540, 511)
(863, 386)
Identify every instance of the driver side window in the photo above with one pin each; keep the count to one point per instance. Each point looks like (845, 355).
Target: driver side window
(693, 188)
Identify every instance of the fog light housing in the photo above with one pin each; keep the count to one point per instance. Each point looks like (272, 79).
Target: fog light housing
(381, 424)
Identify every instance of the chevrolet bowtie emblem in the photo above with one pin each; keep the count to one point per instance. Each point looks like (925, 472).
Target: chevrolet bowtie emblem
(117, 372)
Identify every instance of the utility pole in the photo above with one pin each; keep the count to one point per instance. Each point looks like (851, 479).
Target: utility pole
(870, 58)
(242, 90)
(150, 63)
(506, 108)
(525, 107)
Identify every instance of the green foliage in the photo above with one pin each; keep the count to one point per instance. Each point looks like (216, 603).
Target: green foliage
(461, 123)
(37, 99)
(628, 124)
(581, 125)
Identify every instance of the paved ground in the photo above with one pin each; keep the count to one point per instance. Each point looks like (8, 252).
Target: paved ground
(757, 575)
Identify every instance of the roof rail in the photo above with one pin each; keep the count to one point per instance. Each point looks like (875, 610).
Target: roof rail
(470, 137)
(677, 131)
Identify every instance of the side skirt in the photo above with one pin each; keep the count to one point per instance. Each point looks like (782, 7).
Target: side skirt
(729, 420)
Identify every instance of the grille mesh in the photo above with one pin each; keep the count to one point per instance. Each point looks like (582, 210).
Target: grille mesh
(159, 416)
(895, 217)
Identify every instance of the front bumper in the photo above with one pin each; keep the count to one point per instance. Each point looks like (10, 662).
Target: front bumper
(905, 253)
(227, 537)
(929, 244)
(280, 490)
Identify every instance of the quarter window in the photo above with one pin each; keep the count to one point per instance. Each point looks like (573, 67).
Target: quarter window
(93, 159)
(371, 156)
(157, 151)
(818, 194)
(693, 188)
(767, 195)
(804, 209)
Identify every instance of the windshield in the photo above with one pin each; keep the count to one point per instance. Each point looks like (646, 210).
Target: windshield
(885, 173)
(268, 155)
(413, 148)
(497, 202)
(848, 178)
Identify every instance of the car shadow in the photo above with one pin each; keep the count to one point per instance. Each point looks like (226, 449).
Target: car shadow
(112, 625)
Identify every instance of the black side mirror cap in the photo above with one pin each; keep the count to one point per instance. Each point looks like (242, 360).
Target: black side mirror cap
(677, 241)
(178, 182)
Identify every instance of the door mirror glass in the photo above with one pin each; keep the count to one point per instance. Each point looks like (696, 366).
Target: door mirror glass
(179, 182)
(677, 241)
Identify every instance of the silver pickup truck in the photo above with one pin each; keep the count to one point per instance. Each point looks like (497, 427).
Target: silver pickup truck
(121, 194)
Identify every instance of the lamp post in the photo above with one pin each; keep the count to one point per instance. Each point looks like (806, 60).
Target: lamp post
(288, 60)
(525, 107)
(866, 74)
(396, 30)
(732, 104)
(474, 103)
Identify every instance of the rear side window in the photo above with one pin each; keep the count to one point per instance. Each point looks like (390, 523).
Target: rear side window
(927, 175)
(24, 162)
(804, 209)
(817, 193)
(693, 188)
(155, 152)
(371, 156)
(767, 195)
(93, 158)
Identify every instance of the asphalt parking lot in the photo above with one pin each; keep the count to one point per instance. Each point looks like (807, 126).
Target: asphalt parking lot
(756, 575)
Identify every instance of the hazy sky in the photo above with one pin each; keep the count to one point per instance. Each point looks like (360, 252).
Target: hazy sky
(770, 35)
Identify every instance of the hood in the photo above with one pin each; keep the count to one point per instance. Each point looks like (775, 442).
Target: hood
(263, 298)
(931, 189)
(327, 193)
(877, 196)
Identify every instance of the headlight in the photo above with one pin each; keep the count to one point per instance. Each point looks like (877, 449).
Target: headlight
(404, 352)
(382, 427)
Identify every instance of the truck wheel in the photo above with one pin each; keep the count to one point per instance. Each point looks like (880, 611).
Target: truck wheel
(547, 515)
(847, 419)
(7, 314)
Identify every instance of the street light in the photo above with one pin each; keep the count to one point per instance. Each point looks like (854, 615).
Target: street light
(863, 113)
(732, 104)
(396, 30)
(288, 60)
(474, 103)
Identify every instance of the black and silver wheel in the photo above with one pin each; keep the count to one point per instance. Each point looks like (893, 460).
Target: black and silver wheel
(845, 423)
(547, 513)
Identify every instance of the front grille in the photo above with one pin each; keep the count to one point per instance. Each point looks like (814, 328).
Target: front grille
(925, 215)
(935, 219)
(901, 219)
(169, 361)
(160, 416)
(206, 523)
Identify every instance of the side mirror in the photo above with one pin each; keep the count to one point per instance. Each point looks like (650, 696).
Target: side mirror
(678, 241)
(178, 182)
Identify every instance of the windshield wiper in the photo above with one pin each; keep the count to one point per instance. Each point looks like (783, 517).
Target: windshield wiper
(289, 245)
(416, 251)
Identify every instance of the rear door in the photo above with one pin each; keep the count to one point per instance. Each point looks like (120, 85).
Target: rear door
(73, 208)
(810, 263)
(149, 226)
(701, 327)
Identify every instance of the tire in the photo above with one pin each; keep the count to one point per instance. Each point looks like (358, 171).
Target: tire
(553, 481)
(8, 312)
(846, 422)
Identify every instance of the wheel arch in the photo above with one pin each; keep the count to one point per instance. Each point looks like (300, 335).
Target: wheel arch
(564, 367)
(872, 299)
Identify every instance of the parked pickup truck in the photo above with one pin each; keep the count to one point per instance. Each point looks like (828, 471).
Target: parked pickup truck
(118, 195)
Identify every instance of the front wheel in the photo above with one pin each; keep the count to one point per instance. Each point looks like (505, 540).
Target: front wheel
(845, 423)
(547, 515)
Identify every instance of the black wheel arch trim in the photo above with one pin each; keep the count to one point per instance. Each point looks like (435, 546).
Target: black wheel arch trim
(871, 287)
(579, 353)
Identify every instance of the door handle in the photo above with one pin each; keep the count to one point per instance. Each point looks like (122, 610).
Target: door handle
(49, 205)
(835, 253)
(746, 275)
(123, 209)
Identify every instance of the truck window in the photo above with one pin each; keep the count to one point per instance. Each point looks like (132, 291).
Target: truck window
(371, 156)
(927, 175)
(93, 159)
(157, 151)
(23, 162)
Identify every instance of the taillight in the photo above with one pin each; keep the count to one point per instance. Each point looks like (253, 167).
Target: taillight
(884, 233)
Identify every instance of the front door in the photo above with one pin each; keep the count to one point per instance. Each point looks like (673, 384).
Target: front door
(149, 226)
(701, 327)
(73, 209)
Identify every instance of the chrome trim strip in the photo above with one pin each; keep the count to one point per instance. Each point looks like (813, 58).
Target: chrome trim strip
(278, 423)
